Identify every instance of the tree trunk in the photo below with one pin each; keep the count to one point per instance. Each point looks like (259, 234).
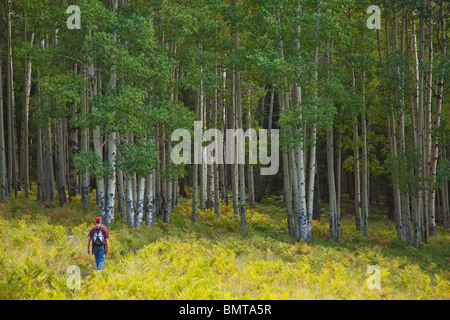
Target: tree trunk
(306, 224)
(98, 143)
(111, 145)
(233, 125)
(420, 147)
(168, 208)
(357, 178)
(84, 144)
(130, 202)
(60, 163)
(195, 166)
(365, 173)
(216, 165)
(338, 188)
(26, 111)
(140, 201)
(12, 156)
(331, 183)
(251, 183)
(48, 165)
(150, 197)
(330, 162)
(3, 172)
(436, 118)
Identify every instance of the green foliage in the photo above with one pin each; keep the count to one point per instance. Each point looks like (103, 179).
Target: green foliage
(90, 161)
(442, 173)
(400, 168)
(140, 157)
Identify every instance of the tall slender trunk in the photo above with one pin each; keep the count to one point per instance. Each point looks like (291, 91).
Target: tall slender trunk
(436, 117)
(40, 188)
(399, 93)
(233, 125)
(251, 183)
(60, 163)
(365, 173)
(202, 165)
(111, 186)
(111, 146)
(293, 226)
(338, 187)
(420, 148)
(120, 180)
(445, 197)
(12, 176)
(330, 161)
(306, 231)
(223, 167)
(48, 165)
(416, 199)
(431, 167)
(195, 165)
(84, 143)
(357, 175)
(3, 182)
(292, 213)
(272, 98)
(97, 141)
(140, 201)
(413, 103)
(168, 208)
(150, 194)
(216, 165)
(130, 201)
(331, 183)
(25, 138)
(241, 167)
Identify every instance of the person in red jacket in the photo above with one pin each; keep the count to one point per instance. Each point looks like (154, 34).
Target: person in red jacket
(99, 237)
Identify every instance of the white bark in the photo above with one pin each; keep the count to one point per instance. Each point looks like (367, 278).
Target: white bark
(150, 191)
(130, 202)
(140, 201)
(84, 145)
(97, 140)
(331, 183)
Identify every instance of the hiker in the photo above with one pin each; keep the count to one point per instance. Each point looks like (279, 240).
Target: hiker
(99, 237)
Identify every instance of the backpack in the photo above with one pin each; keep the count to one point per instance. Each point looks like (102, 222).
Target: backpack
(97, 238)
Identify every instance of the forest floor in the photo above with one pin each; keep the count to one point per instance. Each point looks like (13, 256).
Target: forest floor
(212, 259)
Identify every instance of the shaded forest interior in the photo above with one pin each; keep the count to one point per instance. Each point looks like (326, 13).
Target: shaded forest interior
(360, 111)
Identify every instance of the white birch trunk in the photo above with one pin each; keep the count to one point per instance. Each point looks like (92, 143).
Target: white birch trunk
(112, 149)
(140, 201)
(97, 140)
(150, 194)
(365, 173)
(331, 183)
(2, 131)
(28, 70)
(306, 226)
(436, 121)
(84, 145)
(130, 202)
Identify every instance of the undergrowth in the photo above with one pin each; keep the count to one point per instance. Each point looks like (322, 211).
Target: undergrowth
(211, 259)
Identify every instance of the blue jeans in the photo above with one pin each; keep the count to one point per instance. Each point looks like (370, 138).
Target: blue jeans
(99, 254)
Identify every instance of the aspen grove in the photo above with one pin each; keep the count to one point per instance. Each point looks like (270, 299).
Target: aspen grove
(92, 92)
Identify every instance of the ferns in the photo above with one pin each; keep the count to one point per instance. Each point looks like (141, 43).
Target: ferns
(213, 260)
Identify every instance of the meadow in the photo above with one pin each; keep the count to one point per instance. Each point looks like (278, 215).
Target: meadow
(212, 259)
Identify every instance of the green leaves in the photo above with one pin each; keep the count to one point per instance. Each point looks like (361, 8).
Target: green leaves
(401, 170)
(89, 161)
(140, 157)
